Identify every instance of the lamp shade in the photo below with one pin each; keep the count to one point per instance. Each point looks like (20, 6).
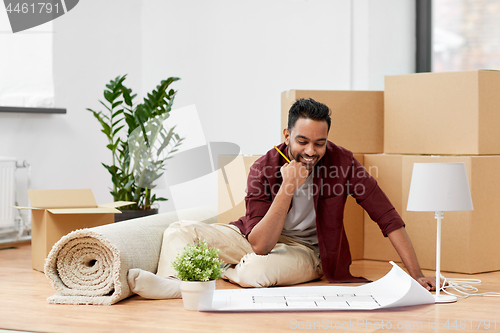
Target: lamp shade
(439, 187)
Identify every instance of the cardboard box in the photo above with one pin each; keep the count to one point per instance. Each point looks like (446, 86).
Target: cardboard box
(232, 183)
(469, 239)
(453, 113)
(56, 213)
(357, 117)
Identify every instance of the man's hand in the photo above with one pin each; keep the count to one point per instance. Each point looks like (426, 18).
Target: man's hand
(428, 283)
(294, 175)
(399, 238)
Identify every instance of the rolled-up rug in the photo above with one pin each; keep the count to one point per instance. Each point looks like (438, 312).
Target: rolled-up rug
(90, 266)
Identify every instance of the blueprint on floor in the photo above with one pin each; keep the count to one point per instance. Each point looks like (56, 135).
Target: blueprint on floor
(395, 289)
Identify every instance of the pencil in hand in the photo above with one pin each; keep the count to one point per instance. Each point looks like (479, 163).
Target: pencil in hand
(279, 151)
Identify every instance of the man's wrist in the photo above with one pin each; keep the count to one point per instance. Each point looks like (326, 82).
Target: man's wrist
(416, 274)
(287, 188)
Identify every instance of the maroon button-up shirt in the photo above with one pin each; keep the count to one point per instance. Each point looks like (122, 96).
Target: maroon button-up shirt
(337, 175)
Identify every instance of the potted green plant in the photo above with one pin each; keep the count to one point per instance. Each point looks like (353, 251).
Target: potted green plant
(138, 141)
(198, 267)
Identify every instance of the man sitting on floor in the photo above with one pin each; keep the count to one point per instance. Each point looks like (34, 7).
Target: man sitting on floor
(293, 230)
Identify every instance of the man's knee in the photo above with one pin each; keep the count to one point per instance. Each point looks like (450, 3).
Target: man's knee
(253, 271)
(181, 228)
(279, 267)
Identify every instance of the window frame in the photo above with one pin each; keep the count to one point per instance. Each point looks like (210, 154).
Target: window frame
(423, 20)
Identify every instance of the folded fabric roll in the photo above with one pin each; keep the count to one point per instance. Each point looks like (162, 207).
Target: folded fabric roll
(90, 266)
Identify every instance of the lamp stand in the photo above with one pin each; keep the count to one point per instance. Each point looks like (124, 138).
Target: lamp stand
(439, 298)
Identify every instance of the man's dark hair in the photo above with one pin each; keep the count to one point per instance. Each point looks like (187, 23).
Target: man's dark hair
(308, 108)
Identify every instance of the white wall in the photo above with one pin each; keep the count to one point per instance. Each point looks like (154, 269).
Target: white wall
(234, 59)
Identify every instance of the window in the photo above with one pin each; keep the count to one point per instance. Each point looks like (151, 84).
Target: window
(464, 35)
(26, 68)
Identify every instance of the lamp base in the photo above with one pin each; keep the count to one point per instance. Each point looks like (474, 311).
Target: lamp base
(445, 298)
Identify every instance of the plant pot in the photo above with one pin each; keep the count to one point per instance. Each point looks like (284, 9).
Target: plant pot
(132, 214)
(197, 295)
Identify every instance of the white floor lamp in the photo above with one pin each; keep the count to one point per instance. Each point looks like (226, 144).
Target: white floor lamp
(438, 188)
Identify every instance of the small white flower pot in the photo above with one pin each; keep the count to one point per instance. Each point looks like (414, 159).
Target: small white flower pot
(197, 295)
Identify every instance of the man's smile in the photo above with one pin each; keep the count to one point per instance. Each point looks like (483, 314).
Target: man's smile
(307, 161)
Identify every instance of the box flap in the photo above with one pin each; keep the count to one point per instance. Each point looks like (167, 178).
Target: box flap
(117, 204)
(79, 198)
(102, 210)
(21, 207)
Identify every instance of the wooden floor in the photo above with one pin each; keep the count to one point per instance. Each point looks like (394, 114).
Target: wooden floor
(23, 307)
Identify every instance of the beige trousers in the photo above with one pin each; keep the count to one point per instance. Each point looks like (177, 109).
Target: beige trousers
(290, 262)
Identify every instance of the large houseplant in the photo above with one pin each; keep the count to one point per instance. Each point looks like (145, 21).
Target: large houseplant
(138, 141)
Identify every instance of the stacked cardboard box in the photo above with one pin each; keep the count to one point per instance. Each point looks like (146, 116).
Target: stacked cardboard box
(453, 113)
(442, 117)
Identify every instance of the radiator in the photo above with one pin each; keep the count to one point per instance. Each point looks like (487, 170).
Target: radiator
(7, 192)
(15, 226)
